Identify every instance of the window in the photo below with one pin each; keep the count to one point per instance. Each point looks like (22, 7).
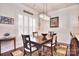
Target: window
(26, 24)
(20, 24)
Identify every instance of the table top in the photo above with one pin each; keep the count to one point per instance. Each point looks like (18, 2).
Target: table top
(6, 38)
(39, 40)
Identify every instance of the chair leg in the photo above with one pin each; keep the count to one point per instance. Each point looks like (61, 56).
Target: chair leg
(24, 52)
(43, 50)
(30, 53)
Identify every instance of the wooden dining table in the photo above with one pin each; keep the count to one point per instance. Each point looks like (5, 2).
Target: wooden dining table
(40, 42)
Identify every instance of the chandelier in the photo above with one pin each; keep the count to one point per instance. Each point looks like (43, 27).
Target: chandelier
(43, 15)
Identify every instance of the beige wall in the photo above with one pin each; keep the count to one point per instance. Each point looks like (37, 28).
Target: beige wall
(12, 10)
(68, 22)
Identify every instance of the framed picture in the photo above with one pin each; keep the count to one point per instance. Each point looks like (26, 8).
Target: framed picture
(6, 20)
(54, 22)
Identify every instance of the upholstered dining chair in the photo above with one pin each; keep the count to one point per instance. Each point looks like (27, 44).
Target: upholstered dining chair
(28, 46)
(74, 47)
(72, 35)
(54, 42)
(35, 34)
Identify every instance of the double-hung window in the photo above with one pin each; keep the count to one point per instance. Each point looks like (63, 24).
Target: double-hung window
(26, 24)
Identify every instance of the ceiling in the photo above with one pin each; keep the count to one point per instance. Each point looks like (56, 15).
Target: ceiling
(48, 7)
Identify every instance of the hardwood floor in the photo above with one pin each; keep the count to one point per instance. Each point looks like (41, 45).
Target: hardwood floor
(8, 53)
(21, 48)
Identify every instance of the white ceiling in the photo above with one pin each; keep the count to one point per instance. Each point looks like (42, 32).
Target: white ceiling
(48, 7)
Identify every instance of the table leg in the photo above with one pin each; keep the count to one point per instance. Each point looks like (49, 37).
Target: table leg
(51, 49)
(39, 50)
(0, 48)
(14, 43)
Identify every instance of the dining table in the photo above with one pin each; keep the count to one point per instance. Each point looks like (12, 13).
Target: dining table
(39, 41)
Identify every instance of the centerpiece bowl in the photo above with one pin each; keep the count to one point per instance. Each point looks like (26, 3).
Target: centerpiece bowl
(44, 36)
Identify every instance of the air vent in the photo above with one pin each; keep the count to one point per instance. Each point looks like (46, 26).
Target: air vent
(28, 12)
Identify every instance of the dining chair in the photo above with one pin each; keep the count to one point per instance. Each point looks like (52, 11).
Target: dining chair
(51, 32)
(35, 34)
(29, 47)
(74, 47)
(71, 34)
(54, 43)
